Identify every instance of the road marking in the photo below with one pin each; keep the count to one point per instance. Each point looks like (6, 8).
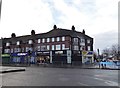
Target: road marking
(110, 83)
(82, 84)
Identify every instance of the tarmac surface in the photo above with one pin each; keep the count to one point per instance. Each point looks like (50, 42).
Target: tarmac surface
(44, 76)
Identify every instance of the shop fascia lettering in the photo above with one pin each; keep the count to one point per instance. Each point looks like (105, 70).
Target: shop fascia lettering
(22, 54)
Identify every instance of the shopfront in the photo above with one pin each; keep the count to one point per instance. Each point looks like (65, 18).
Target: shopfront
(5, 58)
(43, 57)
(87, 57)
(23, 58)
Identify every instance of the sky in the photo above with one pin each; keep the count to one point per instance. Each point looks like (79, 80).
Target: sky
(99, 18)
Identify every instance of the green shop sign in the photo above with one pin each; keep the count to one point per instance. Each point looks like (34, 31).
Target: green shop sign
(5, 55)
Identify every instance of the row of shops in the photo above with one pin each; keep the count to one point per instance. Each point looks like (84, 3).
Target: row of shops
(65, 56)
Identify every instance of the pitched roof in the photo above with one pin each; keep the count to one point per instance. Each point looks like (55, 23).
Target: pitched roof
(52, 33)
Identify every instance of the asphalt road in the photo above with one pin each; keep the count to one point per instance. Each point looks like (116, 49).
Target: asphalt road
(38, 76)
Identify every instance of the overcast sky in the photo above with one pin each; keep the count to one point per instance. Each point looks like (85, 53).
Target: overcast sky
(99, 18)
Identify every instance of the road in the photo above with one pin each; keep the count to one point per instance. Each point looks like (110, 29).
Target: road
(39, 76)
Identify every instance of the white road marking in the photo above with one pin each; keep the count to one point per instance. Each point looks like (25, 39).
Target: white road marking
(110, 83)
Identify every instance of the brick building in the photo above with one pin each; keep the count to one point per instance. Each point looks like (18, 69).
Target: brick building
(57, 45)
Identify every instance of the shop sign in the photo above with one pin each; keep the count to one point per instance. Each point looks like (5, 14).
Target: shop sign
(22, 54)
(5, 55)
(59, 52)
(85, 53)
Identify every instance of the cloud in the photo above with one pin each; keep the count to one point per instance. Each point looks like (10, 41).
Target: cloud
(21, 16)
(97, 17)
(106, 39)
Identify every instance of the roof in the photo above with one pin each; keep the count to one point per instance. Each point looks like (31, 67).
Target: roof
(52, 33)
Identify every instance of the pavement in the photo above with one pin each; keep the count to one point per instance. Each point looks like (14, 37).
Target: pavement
(6, 69)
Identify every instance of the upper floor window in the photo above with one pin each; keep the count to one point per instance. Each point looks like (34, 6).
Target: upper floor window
(88, 41)
(30, 42)
(53, 47)
(82, 40)
(43, 40)
(18, 42)
(63, 46)
(12, 50)
(58, 38)
(75, 39)
(43, 48)
(48, 47)
(76, 48)
(38, 48)
(53, 39)
(7, 50)
(27, 49)
(58, 47)
(63, 38)
(22, 49)
(48, 39)
(88, 48)
(7, 44)
(39, 41)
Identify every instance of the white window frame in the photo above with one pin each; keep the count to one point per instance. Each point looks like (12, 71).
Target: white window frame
(38, 48)
(88, 41)
(48, 39)
(63, 46)
(58, 47)
(63, 38)
(11, 50)
(18, 42)
(75, 40)
(53, 39)
(53, 47)
(76, 48)
(58, 39)
(30, 42)
(43, 48)
(48, 47)
(7, 44)
(82, 40)
(43, 40)
(39, 40)
(89, 48)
